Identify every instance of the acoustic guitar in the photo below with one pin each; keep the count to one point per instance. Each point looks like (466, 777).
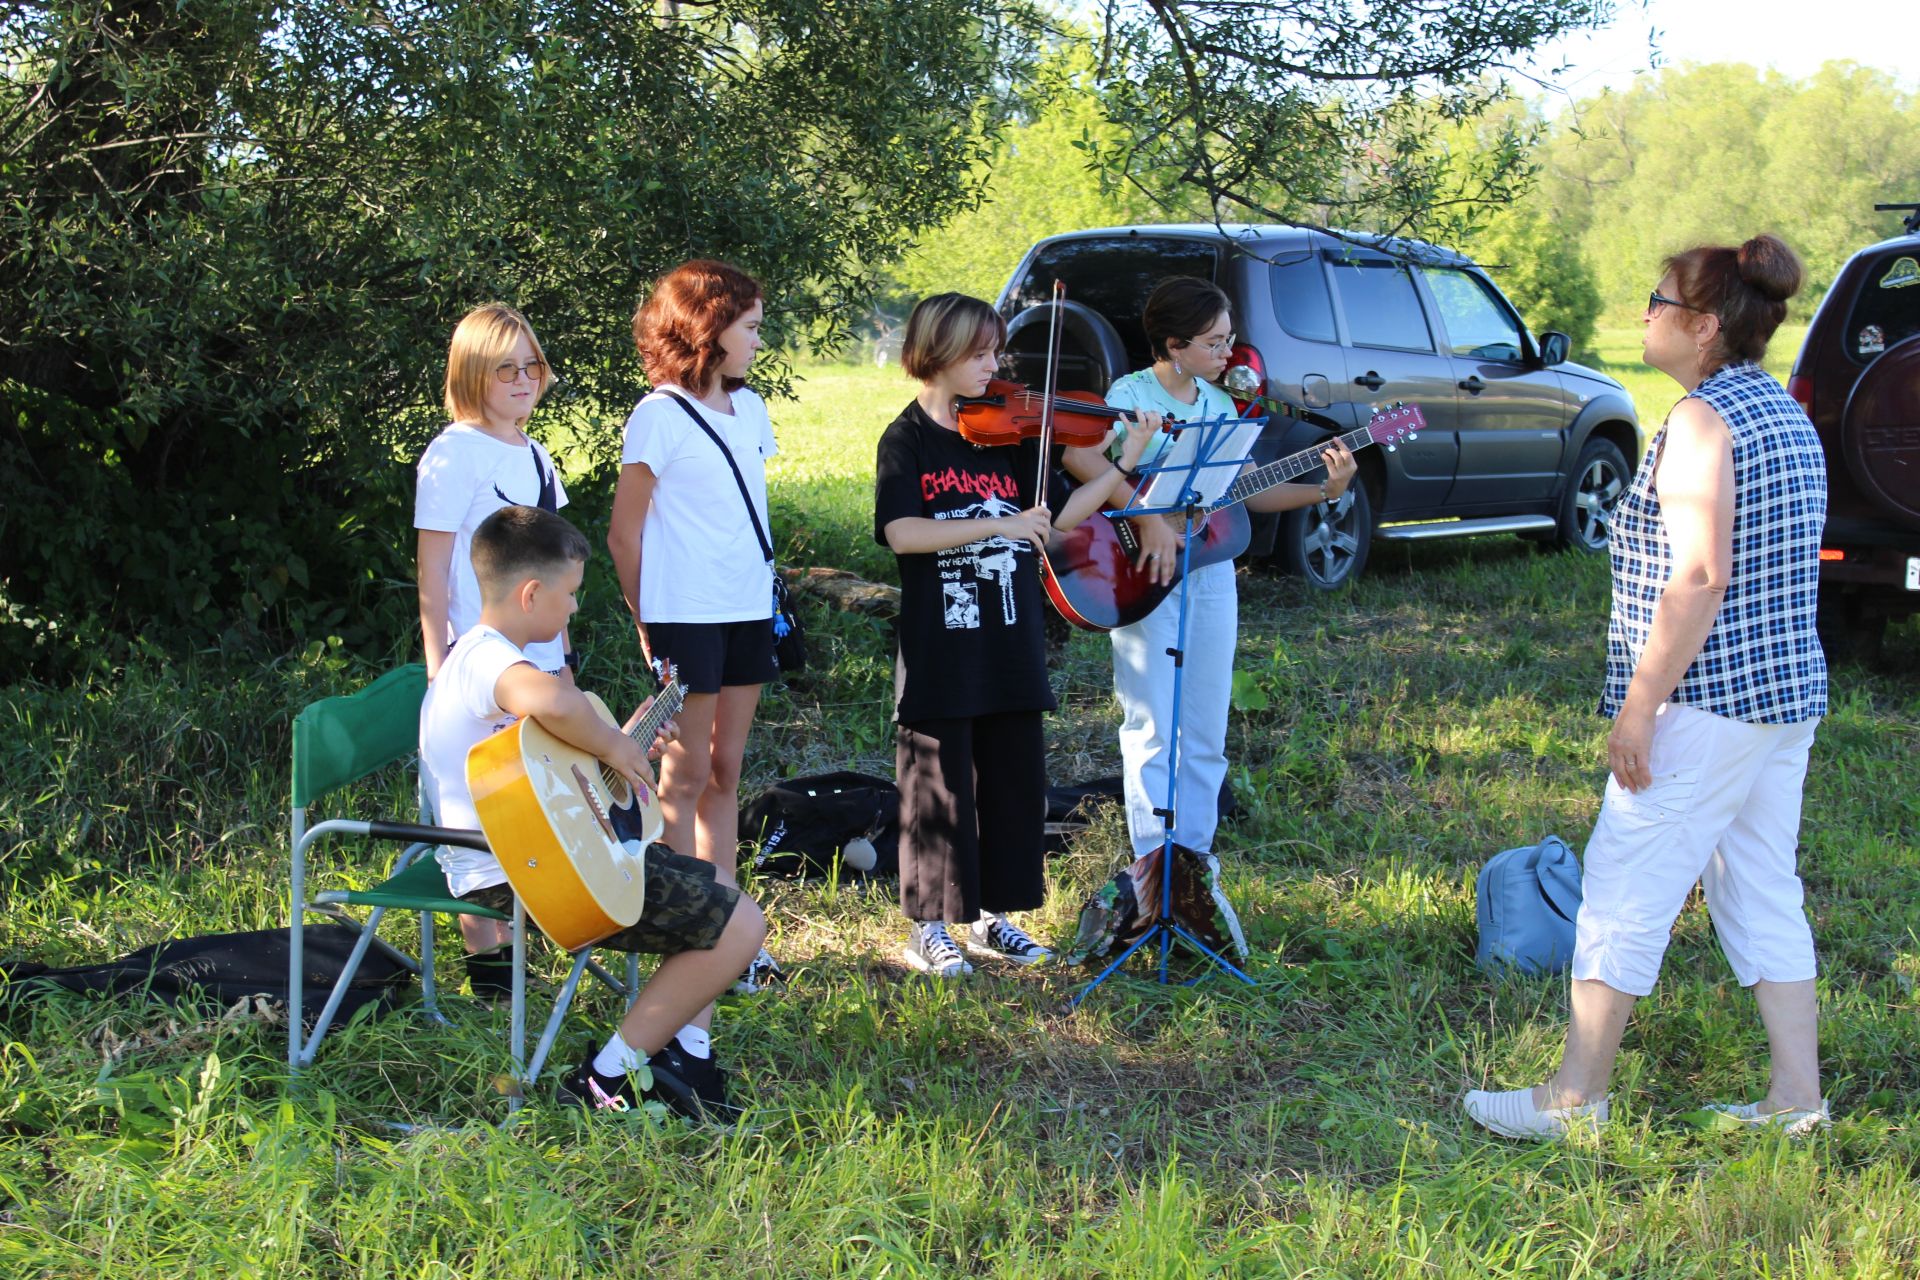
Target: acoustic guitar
(1090, 574)
(569, 832)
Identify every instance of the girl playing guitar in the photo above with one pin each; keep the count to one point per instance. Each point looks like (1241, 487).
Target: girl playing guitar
(1190, 330)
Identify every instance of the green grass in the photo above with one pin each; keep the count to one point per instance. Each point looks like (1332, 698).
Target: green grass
(1437, 712)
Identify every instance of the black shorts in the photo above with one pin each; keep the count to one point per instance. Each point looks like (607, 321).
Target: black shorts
(687, 909)
(711, 655)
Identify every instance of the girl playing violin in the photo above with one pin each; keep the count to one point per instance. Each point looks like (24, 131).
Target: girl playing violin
(966, 524)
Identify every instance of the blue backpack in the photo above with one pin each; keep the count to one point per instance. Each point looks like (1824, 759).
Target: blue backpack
(1527, 900)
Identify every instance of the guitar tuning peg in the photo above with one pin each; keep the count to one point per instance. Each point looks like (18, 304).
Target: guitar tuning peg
(1393, 448)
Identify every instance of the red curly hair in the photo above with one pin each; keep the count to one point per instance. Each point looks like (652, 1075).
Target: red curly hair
(677, 329)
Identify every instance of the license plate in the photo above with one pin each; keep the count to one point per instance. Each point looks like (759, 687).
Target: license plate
(1913, 573)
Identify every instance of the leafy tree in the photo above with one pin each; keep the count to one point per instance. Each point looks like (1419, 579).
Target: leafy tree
(235, 237)
(1718, 152)
(1037, 182)
(1319, 112)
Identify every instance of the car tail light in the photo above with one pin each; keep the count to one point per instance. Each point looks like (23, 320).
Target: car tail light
(1832, 553)
(1800, 387)
(1246, 376)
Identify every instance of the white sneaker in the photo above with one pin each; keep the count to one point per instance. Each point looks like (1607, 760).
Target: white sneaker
(1795, 1122)
(999, 939)
(930, 949)
(762, 972)
(1511, 1114)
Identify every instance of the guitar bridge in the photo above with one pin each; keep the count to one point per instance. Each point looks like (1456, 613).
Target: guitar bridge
(593, 804)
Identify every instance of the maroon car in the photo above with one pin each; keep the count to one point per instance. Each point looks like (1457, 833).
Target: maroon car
(1858, 375)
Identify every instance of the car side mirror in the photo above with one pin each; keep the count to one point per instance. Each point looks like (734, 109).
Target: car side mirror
(1554, 347)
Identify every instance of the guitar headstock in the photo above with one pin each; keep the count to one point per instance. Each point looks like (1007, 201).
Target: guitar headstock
(671, 693)
(1395, 425)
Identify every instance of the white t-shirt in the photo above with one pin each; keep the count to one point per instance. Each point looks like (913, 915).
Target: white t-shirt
(459, 711)
(465, 476)
(699, 558)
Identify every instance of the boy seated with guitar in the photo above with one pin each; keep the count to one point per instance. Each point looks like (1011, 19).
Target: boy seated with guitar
(529, 564)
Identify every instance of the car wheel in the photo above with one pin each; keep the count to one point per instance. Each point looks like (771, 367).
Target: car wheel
(1600, 479)
(1327, 543)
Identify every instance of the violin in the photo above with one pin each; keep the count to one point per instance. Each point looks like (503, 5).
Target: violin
(1011, 411)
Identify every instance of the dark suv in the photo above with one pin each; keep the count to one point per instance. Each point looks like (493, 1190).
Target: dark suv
(1858, 376)
(1518, 440)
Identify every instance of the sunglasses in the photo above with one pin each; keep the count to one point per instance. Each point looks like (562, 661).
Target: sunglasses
(1657, 300)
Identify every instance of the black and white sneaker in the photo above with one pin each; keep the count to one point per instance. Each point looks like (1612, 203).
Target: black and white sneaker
(999, 939)
(702, 1075)
(615, 1094)
(763, 972)
(930, 949)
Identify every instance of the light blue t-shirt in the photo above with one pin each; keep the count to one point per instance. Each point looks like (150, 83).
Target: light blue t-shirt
(1141, 390)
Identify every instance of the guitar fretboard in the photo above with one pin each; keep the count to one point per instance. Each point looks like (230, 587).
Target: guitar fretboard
(1287, 468)
(662, 710)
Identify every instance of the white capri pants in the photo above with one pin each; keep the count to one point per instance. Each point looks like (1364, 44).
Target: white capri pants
(1723, 810)
(1143, 677)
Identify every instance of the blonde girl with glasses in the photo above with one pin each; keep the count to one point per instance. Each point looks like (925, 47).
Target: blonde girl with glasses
(481, 461)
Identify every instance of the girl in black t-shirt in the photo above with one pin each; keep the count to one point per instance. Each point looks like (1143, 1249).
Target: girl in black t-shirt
(971, 681)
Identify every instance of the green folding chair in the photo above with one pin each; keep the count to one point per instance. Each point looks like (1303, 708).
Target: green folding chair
(338, 741)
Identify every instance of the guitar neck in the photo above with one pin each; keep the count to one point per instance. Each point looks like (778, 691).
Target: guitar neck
(1288, 468)
(658, 714)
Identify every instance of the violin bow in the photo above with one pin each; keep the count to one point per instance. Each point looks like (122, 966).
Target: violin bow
(1046, 393)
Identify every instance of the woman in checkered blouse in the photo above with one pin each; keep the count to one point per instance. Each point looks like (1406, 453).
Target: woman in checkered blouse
(1715, 682)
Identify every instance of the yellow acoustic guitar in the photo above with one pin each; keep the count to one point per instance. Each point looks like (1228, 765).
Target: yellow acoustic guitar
(569, 832)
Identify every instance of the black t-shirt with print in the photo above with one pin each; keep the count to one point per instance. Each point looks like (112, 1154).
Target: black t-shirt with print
(972, 630)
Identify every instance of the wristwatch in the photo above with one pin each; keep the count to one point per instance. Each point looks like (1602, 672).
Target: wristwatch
(572, 656)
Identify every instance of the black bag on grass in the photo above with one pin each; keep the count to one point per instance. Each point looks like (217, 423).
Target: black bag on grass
(222, 968)
(803, 827)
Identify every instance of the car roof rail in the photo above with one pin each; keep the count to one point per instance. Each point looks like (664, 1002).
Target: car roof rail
(1912, 218)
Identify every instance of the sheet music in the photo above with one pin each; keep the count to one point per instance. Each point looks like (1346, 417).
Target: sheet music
(1227, 441)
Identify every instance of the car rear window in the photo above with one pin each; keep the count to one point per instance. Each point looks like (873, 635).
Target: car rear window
(1300, 300)
(1888, 308)
(1114, 275)
(1382, 308)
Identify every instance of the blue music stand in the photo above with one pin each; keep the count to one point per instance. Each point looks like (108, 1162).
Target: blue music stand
(1192, 507)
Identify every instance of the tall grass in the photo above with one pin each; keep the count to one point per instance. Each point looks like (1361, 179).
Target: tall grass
(1403, 731)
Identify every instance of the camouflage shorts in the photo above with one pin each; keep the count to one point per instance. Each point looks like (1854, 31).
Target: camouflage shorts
(687, 909)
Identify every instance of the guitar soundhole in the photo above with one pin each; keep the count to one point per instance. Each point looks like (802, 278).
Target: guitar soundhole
(618, 789)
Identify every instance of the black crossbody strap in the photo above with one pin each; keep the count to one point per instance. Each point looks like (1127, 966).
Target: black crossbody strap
(766, 547)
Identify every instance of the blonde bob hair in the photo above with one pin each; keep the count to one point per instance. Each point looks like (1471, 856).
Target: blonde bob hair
(480, 343)
(947, 328)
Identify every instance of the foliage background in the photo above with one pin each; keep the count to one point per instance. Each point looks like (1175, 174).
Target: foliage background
(235, 236)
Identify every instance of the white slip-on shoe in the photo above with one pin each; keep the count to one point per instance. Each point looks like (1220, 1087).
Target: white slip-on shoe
(1795, 1122)
(1511, 1114)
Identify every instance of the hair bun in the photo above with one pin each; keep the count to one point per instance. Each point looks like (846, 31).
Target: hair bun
(1770, 268)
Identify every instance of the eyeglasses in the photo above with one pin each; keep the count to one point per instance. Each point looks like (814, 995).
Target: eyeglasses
(536, 371)
(1657, 300)
(1219, 348)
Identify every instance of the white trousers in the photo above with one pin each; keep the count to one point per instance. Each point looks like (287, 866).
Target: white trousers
(1723, 811)
(1143, 678)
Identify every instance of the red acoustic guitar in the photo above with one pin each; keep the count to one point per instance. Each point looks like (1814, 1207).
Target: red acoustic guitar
(1090, 574)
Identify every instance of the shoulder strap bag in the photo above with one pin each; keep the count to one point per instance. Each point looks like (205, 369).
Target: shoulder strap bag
(789, 637)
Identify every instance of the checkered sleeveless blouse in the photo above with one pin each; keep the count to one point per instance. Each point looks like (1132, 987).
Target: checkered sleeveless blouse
(1762, 662)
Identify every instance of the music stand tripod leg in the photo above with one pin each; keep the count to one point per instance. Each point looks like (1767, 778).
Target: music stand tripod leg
(1165, 928)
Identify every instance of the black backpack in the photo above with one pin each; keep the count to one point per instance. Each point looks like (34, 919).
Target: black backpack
(223, 968)
(801, 827)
